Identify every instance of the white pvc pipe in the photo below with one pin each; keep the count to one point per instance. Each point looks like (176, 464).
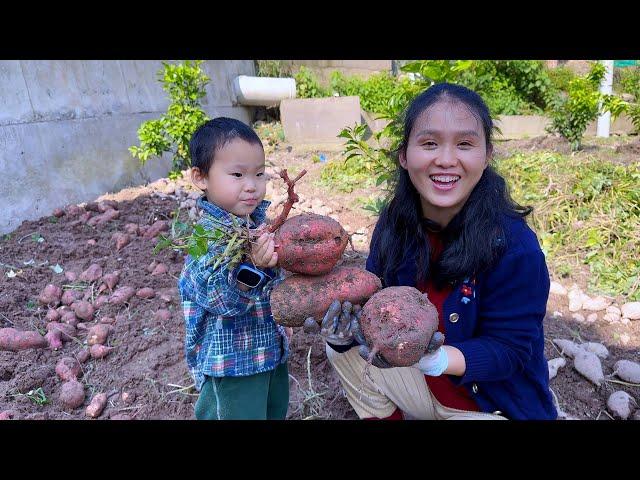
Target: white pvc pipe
(263, 91)
(606, 87)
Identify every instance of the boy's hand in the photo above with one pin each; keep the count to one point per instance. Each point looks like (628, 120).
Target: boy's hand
(263, 251)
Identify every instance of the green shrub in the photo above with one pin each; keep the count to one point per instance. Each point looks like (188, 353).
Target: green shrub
(185, 85)
(307, 85)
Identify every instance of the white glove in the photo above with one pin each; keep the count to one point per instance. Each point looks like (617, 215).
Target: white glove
(433, 364)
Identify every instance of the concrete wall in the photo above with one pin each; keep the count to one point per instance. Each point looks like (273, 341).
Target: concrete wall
(65, 128)
(323, 68)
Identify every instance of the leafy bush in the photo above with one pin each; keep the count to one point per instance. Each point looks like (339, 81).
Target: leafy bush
(572, 112)
(510, 87)
(374, 92)
(630, 81)
(185, 83)
(307, 85)
(560, 78)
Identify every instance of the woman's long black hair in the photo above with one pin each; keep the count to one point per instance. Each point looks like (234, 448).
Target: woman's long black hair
(472, 239)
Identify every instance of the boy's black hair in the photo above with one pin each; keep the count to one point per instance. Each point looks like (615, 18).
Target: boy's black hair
(211, 136)
(470, 239)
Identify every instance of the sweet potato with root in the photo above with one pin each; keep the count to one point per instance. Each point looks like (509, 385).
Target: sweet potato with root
(50, 295)
(589, 366)
(310, 244)
(69, 318)
(98, 334)
(83, 355)
(160, 269)
(146, 292)
(103, 218)
(68, 368)
(92, 273)
(71, 394)
(101, 301)
(98, 402)
(16, 340)
(619, 403)
(52, 315)
(155, 229)
(121, 239)
(7, 415)
(99, 351)
(111, 279)
(83, 310)
(162, 315)
(398, 323)
(121, 295)
(59, 332)
(300, 296)
(71, 276)
(132, 228)
(627, 370)
(71, 296)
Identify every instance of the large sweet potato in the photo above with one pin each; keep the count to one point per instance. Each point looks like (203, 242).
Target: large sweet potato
(310, 244)
(16, 340)
(300, 296)
(398, 322)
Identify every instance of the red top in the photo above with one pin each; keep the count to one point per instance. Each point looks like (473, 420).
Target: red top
(445, 391)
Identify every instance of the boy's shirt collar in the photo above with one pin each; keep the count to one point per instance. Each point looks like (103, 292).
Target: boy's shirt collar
(258, 216)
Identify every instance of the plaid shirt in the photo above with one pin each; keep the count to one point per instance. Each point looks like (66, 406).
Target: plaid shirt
(229, 333)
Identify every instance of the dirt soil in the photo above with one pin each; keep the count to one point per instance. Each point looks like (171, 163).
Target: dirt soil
(148, 361)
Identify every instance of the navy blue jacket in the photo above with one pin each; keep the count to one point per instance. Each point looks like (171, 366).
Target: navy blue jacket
(496, 323)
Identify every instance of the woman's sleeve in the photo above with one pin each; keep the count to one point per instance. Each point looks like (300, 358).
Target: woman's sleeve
(510, 315)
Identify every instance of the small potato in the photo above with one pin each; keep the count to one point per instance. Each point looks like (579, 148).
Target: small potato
(71, 296)
(68, 368)
(98, 402)
(160, 269)
(72, 394)
(50, 295)
(619, 404)
(111, 279)
(83, 310)
(52, 315)
(98, 334)
(92, 273)
(99, 351)
(146, 292)
(83, 355)
(122, 295)
(567, 347)
(554, 365)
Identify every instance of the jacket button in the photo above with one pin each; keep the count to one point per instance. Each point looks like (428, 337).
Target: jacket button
(453, 318)
(497, 412)
(474, 387)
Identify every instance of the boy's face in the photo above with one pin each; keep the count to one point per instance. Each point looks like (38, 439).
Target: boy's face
(236, 181)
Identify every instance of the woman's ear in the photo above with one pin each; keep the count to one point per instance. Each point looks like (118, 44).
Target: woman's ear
(489, 156)
(402, 158)
(198, 179)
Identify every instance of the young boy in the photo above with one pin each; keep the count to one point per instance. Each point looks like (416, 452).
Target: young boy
(236, 353)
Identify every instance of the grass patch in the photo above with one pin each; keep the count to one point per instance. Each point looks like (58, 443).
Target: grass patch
(587, 211)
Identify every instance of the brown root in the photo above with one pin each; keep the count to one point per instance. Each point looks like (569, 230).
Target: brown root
(292, 198)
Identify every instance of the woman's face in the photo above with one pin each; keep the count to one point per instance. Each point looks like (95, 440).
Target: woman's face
(445, 156)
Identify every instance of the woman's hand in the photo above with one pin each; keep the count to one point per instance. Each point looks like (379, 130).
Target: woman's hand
(263, 252)
(341, 326)
(435, 361)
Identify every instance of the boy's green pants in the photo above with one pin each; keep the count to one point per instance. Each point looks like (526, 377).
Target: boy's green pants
(263, 396)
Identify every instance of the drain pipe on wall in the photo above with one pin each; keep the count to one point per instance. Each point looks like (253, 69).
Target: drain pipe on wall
(263, 91)
(606, 87)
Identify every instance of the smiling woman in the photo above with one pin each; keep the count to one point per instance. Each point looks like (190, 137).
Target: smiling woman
(452, 231)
